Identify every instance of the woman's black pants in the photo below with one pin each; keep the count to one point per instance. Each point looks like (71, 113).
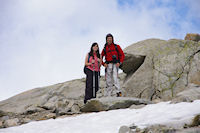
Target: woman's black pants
(89, 84)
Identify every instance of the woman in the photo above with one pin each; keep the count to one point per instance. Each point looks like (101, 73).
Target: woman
(92, 70)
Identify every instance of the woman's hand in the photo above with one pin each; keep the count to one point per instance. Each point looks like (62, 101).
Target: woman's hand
(89, 64)
(93, 61)
(118, 64)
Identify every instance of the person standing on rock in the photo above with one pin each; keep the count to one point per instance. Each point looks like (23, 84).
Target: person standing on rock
(92, 71)
(114, 57)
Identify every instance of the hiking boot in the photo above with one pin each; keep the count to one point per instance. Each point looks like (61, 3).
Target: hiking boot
(119, 94)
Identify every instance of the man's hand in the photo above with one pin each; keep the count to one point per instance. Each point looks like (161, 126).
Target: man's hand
(118, 64)
(105, 65)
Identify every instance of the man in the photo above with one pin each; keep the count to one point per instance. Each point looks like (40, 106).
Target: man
(114, 57)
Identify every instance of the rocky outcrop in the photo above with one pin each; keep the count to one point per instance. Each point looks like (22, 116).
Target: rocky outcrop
(49, 97)
(166, 129)
(167, 67)
(45, 96)
(43, 103)
(110, 103)
(48, 102)
(192, 37)
(158, 129)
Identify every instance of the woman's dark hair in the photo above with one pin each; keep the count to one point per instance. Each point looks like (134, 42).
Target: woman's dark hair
(91, 50)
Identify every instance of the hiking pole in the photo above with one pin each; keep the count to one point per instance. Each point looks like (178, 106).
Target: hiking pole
(93, 81)
(98, 75)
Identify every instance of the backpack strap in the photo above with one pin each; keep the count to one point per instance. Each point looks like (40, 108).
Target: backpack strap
(117, 52)
(88, 58)
(104, 49)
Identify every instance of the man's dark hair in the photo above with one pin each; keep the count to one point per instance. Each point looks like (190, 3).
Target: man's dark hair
(109, 35)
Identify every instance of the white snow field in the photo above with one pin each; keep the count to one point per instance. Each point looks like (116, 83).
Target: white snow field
(110, 121)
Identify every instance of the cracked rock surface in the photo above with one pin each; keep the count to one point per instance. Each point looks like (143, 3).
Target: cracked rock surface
(161, 69)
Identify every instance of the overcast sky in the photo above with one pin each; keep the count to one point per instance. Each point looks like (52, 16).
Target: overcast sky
(43, 42)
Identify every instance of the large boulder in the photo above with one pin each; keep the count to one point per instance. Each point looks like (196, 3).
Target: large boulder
(110, 103)
(167, 67)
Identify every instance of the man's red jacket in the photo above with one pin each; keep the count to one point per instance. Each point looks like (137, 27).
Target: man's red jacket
(110, 51)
